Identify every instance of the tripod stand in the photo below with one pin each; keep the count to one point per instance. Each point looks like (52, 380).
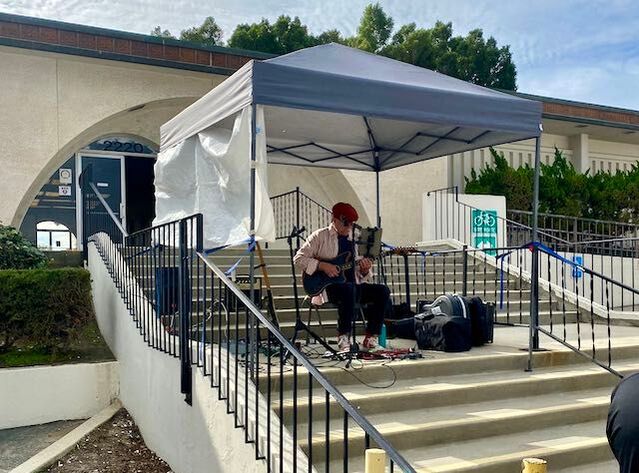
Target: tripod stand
(299, 323)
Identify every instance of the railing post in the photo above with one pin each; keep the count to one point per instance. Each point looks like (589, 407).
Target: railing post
(407, 279)
(533, 342)
(297, 214)
(185, 317)
(85, 177)
(534, 306)
(465, 271)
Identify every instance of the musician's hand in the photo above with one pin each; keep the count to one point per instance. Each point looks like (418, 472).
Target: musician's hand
(329, 269)
(365, 266)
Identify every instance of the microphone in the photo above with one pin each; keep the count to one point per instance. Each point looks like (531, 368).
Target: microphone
(297, 231)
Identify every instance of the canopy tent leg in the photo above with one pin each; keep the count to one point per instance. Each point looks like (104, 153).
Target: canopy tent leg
(379, 211)
(252, 332)
(533, 342)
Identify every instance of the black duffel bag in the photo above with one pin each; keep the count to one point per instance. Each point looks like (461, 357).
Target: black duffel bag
(445, 326)
(482, 320)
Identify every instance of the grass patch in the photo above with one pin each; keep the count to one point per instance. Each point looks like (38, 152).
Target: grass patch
(89, 347)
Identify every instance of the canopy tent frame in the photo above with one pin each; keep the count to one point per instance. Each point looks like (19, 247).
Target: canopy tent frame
(342, 82)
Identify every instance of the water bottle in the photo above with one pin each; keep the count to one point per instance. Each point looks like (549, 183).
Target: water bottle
(382, 336)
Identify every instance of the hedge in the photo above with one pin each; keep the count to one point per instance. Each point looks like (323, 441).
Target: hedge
(16, 252)
(562, 189)
(44, 307)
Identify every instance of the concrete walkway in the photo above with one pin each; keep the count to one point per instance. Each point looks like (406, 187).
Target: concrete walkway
(19, 444)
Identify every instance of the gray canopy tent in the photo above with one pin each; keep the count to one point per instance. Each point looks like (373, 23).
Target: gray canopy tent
(339, 107)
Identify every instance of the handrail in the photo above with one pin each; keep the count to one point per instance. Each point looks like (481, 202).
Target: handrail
(518, 224)
(314, 201)
(312, 369)
(284, 194)
(592, 273)
(610, 240)
(108, 209)
(572, 217)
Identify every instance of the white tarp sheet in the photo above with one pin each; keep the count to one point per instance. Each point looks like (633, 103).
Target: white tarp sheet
(209, 173)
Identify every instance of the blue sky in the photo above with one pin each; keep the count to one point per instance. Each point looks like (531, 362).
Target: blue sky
(585, 50)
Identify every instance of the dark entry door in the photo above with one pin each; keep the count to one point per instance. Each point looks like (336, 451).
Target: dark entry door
(140, 193)
(106, 175)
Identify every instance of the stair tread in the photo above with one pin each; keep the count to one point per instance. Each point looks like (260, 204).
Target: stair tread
(500, 453)
(498, 409)
(601, 467)
(423, 385)
(567, 437)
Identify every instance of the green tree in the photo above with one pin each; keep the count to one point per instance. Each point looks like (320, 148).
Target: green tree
(160, 33)
(283, 36)
(471, 58)
(374, 29)
(208, 33)
(331, 36)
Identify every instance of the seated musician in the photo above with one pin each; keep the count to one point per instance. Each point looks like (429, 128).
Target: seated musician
(327, 243)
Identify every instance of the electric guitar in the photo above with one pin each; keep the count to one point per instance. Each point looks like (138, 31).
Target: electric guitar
(315, 283)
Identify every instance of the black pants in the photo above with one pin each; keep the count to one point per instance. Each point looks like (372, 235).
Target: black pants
(374, 297)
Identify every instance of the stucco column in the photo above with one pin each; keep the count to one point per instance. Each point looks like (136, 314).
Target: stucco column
(580, 152)
(456, 168)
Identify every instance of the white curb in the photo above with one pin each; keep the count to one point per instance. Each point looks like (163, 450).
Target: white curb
(58, 449)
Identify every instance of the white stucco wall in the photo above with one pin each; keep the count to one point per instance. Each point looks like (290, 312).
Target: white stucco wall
(36, 395)
(444, 218)
(54, 104)
(401, 192)
(192, 439)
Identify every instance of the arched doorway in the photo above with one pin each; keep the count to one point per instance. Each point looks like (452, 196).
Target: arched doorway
(122, 170)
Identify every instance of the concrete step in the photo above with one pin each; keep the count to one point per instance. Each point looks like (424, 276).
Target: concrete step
(562, 446)
(610, 466)
(478, 360)
(425, 392)
(411, 429)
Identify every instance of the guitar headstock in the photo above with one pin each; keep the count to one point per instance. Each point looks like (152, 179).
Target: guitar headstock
(402, 250)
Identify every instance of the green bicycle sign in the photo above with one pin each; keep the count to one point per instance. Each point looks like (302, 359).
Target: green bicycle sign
(484, 229)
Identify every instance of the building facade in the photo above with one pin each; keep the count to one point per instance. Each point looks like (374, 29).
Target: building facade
(76, 96)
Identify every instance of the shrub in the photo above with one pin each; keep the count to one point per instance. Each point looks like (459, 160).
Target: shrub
(44, 307)
(18, 253)
(562, 190)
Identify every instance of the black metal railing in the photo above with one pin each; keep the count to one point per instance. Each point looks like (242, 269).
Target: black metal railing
(576, 229)
(500, 275)
(296, 209)
(574, 305)
(454, 219)
(598, 323)
(185, 306)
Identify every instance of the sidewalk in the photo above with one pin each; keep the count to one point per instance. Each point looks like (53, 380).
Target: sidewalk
(19, 444)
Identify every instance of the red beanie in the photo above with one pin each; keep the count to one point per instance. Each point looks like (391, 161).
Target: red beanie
(345, 211)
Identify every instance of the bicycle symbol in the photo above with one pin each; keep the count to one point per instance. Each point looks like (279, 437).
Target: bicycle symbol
(484, 220)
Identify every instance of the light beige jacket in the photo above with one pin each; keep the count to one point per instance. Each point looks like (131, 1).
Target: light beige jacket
(322, 245)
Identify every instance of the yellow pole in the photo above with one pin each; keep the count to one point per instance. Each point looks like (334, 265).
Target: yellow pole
(534, 465)
(375, 461)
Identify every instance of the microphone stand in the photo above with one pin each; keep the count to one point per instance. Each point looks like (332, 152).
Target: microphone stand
(299, 323)
(354, 351)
